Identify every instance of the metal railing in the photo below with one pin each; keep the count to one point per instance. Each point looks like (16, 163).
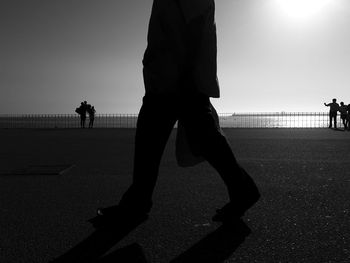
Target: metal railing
(276, 120)
(227, 120)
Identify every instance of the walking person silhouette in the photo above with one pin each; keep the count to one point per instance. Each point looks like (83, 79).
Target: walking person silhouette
(180, 76)
(333, 110)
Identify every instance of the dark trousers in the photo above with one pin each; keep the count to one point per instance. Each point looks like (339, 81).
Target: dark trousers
(82, 121)
(333, 117)
(156, 120)
(343, 117)
(91, 122)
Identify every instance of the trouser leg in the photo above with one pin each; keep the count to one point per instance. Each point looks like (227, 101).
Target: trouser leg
(344, 122)
(206, 139)
(154, 125)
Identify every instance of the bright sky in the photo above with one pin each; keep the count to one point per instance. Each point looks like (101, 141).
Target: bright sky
(273, 55)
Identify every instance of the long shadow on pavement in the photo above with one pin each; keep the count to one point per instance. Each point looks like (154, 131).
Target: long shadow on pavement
(100, 241)
(216, 247)
(129, 254)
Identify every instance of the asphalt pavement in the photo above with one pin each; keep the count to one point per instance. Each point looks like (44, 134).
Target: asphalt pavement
(52, 181)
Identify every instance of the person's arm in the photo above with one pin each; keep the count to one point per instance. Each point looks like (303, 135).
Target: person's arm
(326, 104)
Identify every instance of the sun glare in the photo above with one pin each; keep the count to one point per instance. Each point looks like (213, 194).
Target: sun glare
(300, 10)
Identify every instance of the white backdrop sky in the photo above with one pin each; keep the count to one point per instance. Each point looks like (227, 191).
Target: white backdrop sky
(272, 55)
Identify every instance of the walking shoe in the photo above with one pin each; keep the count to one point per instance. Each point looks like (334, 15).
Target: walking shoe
(116, 215)
(233, 211)
(242, 197)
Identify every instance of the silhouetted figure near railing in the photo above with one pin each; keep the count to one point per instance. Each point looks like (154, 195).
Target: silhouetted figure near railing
(348, 117)
(333, 110)
(91, 111)
(82, 113)
(180, 76)
(343, 114)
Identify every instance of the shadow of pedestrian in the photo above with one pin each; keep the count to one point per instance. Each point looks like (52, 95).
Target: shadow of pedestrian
(93, 248)
(337, 129)
(130, 254)
(217, 246)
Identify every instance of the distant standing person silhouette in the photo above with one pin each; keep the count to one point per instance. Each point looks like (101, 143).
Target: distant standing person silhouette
(343, 114)
(91, 111)
(82, 110)
(348, 117)
(180, 75)
(333, 110)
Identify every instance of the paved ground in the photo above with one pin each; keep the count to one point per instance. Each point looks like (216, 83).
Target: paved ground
(303, 216)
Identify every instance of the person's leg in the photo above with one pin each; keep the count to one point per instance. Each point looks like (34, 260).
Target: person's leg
(343, 118)
(330, 121)
(154, 125)
(206, 139)
(335, 120)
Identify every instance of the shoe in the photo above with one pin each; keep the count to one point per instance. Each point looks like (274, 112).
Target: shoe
(241, 200)
(234, 211)
(102, 211)
(116, 215)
